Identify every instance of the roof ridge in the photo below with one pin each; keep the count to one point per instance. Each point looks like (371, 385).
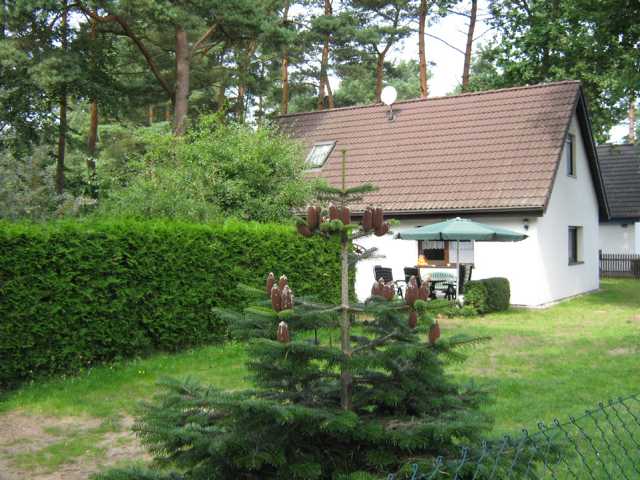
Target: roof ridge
(439, 97)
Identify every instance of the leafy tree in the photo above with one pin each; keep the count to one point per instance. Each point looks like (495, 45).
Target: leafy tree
(543, 41)
(360, 89)
(217, 169)
(377, 402)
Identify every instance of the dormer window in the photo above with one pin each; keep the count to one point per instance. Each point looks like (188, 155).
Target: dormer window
(319, 154)
(570, 154)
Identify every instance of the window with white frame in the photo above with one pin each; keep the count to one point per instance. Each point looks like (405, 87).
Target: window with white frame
(570, 154)
(319, 154)
(575, 245)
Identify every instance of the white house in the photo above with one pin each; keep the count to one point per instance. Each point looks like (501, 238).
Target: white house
(621, 174)
(521, 158)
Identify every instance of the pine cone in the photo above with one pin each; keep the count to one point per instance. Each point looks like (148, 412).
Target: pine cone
(423, 291)
(282, 281)
(434, 333)
(413, 319)
(313, 217)
(383, 230)
(334, 212)
(345, 215)
(271, 281)
(378, 288)
(411, 294)
(378, 218)
(276, 298)
(367, 219)
(304, 230)
(283, 332)
(389, 291)
(287, 298)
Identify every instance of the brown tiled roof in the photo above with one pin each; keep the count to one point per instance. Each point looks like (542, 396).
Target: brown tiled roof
(495, 150)
(621, 172)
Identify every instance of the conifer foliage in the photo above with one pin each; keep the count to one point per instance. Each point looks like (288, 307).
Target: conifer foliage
(378, 401)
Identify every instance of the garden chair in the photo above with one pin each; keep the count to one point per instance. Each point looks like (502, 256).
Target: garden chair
(412, 271)
(386, 274)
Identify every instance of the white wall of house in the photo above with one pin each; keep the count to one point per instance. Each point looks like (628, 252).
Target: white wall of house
(537, 268)
(618, 237)
(573, 202)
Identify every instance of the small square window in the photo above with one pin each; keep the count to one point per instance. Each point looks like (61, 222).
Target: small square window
(319, 154)
(575, 245)
(569, 155)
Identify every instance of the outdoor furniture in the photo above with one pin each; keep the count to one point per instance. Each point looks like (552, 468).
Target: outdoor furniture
(386, 274)
(448, 282)
(459, 230)
(412, 272)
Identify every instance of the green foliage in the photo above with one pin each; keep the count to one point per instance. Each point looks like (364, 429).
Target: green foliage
(291, 426)
(217, 170)
(27, 188)
(568, 39)
(73, 294)
(488, 295)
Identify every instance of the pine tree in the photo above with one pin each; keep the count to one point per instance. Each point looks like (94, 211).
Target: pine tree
(377, 402)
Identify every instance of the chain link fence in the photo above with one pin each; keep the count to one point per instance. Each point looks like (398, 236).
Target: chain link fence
(603, 443)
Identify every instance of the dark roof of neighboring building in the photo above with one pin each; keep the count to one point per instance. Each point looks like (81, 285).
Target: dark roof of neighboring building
(620, 165)
(487, 151)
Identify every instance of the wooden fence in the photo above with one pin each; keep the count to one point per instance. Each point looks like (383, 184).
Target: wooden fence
(619, 265)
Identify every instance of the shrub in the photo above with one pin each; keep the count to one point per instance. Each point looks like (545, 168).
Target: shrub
(488, 295)
(72, 294)
(498, 294)
(216, 170)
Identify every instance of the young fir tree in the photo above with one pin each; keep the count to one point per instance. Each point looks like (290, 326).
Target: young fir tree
(377, 402)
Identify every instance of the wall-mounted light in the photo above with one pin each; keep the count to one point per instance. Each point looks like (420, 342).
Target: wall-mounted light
(525, 223)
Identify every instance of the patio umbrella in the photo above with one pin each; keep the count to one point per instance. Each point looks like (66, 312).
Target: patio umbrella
(461, 229)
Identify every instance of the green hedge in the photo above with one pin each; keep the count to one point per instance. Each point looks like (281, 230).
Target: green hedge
(73, 294)
(488, 295)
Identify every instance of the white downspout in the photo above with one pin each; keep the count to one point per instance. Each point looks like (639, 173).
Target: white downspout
(637, 238)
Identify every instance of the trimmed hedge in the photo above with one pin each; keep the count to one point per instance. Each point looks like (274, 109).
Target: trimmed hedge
(488, 295)
(73, 294)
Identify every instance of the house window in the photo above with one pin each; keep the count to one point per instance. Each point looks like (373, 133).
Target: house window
(570, 155)
(319, 154)
(435, 251)
(575, 245)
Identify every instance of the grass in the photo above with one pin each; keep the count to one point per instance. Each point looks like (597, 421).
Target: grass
(118, 388)
(539, 364)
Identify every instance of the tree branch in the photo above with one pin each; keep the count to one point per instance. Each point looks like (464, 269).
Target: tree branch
(205, 36)
(129, 33)
(376, 342)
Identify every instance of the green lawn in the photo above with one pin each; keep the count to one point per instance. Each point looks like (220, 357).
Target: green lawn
(539, 364)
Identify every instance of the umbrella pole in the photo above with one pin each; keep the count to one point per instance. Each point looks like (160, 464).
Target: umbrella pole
(458, 270)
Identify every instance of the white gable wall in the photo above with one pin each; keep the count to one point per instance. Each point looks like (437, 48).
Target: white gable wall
(573, 202)
(537, 268)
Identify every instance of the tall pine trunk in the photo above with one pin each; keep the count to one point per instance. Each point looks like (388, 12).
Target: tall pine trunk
(467, 52)
(284, 72)
(244, 67)
(92, 138)
(422, 21)
(324, 62)
(632, 120)
(3, 27)
(181, 102)
(62, 127)
(380, 70)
